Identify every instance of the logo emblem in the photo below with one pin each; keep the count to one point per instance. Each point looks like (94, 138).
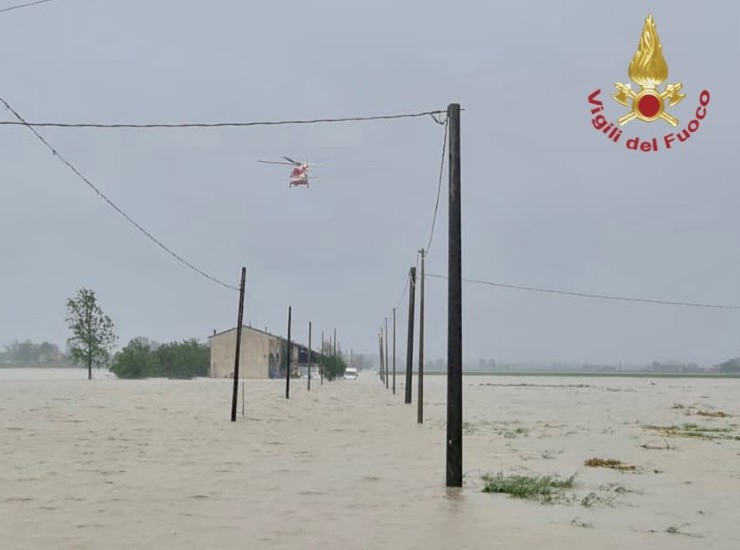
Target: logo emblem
(648, 69)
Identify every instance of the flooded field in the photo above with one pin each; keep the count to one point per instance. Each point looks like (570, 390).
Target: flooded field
(156, 464)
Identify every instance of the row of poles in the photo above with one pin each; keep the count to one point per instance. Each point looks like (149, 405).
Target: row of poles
(383, 343)
(237, 355)
(454, 470)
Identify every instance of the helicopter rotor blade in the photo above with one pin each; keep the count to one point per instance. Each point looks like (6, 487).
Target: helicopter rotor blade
(293, 161)
(275, 162)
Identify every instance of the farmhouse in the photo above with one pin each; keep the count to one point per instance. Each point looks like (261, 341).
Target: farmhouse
(262, 355)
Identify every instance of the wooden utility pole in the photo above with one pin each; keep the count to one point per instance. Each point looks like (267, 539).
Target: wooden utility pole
(323, 358)
(410, 342)
(380, 347)
(454, 305)
(387, 347)
(380, 352)
(394, 351)
(420, 400)
(287, 365)
(335, 342)
(309, 356)
(240, 318)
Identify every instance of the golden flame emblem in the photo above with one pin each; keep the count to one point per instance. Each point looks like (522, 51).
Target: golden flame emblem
(648, 69)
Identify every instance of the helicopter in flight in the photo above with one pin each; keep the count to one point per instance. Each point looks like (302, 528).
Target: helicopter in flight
(299, 173)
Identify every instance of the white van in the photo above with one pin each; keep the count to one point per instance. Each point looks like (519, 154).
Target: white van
(350, 373)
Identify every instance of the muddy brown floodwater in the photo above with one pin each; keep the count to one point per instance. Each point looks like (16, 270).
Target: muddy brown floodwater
(156, 464)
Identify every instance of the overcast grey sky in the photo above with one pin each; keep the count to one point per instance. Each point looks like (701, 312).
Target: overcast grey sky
(547, 200)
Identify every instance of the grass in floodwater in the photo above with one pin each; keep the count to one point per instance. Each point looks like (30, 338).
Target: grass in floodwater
(609, 463)
(694, 430)
(712, 414)
(545, 489)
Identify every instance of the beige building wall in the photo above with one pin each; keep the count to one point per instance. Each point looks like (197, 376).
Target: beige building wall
(258, 352)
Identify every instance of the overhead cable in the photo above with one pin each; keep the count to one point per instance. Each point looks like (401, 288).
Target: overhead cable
(112, 204)
(218, 124)
(26, 5)
(595, 296)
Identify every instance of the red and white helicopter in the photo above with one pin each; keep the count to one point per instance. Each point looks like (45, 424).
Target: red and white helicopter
(299, 173)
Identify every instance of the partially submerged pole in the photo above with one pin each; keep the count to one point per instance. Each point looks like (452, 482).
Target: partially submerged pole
(240, 318)
(410, 342)
(420, 400)
(287, 365)
(394, 351)
(323, 358)
(387, 347)
(454, 311)
(309, 356)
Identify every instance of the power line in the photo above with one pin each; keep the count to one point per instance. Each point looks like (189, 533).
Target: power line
(597, 296)
(403, 294)
(439, 189)
(27, 5)
(220, 124)
(111, 203)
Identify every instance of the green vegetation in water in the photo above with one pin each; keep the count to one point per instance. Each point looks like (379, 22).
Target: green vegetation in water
(610, 463)
(712, 414)
(333, 366)
(544, 489)
(694, 430)
(497, 428)
(676, 530)
(140, 359)
(525, 385)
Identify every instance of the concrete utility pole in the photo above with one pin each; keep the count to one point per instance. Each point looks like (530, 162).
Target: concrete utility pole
(454, 304)
(240, 319)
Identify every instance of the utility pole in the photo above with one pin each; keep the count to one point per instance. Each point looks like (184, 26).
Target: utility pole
(309, 356)
(380, 346)
(287, 366)
(410, 342)
(454, 305)
(335, 342)
(394, 351)
(420, 401)
(323, 357)
(386, 354)
(240, 318)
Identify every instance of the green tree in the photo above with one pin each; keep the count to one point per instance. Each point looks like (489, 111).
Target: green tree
(186, 359)
(92, 331)
(136, 360)
(730, 366)
(333, 366)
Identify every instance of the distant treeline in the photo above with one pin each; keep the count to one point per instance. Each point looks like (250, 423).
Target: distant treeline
(142, 358)
(30, 354)
(657, 367)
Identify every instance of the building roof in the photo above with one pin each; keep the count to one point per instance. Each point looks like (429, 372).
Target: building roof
(245, 327)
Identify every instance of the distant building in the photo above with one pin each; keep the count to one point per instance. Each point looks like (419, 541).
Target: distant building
(261, 355)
